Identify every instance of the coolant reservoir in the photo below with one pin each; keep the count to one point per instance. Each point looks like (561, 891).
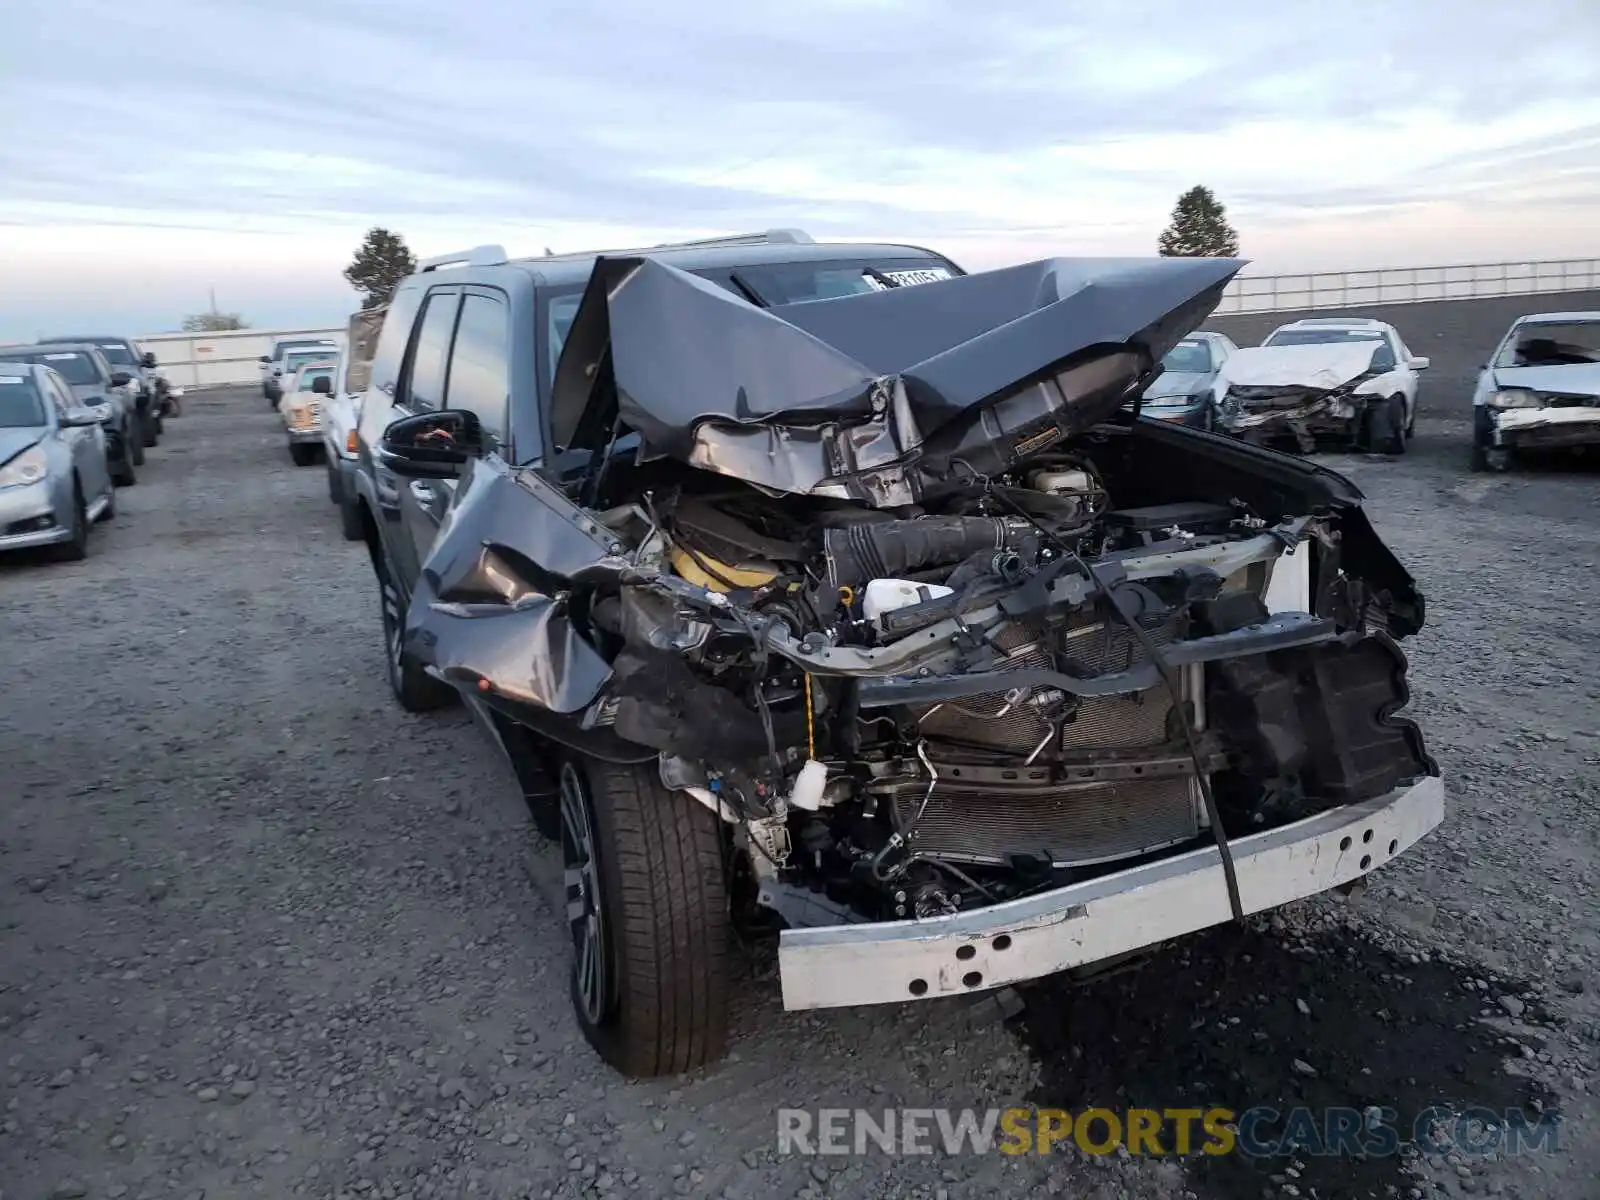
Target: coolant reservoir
(1061, 483)
(886, 595)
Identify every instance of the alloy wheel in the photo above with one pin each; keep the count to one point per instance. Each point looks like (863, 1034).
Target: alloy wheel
(585, 917)
(393, 625)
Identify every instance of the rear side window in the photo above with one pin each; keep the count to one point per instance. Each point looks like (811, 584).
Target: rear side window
(384, 373)
(479, 365)
(430, 353)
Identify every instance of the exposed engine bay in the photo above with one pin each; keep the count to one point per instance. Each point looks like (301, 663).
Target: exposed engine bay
(922, 651)
(906, 712)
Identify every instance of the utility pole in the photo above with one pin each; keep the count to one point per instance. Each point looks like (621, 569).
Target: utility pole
(213, 300)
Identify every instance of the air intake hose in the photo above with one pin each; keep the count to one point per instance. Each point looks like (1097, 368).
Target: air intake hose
(886, 550)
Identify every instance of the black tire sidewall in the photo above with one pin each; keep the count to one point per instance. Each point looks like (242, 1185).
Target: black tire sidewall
(619, 1036)
(77, 547)
(413, 688)
(350, 521)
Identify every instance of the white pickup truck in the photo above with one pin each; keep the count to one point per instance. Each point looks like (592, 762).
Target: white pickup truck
(276, 365)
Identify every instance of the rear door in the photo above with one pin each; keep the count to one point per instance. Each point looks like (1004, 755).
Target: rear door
(477, 378)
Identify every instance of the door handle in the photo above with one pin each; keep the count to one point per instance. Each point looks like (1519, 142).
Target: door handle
(424, 493)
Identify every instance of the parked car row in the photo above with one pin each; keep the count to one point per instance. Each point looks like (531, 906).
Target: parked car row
(77, 414)
(1348, 381)
(316, 385)
(1351, 382)
(828, 588)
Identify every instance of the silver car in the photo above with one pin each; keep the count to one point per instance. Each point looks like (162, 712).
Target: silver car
(54, 481)
(1187, 390)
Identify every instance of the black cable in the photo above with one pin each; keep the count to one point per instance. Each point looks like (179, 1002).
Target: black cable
(1169, 677)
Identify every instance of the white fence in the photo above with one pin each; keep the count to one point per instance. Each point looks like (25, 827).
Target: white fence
(1408, 285)
(197, 360)
(202, 360)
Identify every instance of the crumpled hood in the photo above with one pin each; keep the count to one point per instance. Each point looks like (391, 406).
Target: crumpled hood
(666, 351)
(1177, 385)
(14, 441)
(1572, 379)
(1323, 366)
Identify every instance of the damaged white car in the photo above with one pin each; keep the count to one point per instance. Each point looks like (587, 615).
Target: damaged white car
(1540, 391)
(874, 620)
(1343, 380)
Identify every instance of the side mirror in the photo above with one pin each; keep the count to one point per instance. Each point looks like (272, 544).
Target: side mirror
(78, 418)
(147, 360)
(266, 358)
(431, 445)
(120, 379)
(322, 385)
(1417, 363)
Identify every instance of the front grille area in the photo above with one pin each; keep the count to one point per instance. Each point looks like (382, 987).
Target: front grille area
(1097, 723)
(997, 804)
(1075, 824)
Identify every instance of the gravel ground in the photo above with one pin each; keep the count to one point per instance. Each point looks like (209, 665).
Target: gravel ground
(262, 934)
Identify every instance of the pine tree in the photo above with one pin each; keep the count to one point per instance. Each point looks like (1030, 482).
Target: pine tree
(213, 322)
(379, 265)
(1199, 228)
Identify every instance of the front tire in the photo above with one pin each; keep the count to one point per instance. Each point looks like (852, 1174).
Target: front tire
(302, 454)
(77, 548)
(414, 689)
(1393, 420)
(647, 912)
(125, 475)
(147, 433)
(350, 521)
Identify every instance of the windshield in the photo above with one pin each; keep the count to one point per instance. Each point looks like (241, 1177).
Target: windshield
(775, 283)
(1552, 344)
(1321, 337)
(308, 377)
(562, 311)
(293, 362)
(282, 350)
(118, 355)
(796, 283)
(1191, 357)
(21, 406)
(76, 367)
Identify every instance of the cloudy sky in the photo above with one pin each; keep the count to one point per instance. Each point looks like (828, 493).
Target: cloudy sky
(150, 151)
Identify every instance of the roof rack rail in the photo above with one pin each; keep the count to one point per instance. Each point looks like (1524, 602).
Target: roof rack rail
(478, 256)
(767, 237)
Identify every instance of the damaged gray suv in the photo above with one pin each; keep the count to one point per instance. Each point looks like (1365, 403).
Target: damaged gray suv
(830, 590)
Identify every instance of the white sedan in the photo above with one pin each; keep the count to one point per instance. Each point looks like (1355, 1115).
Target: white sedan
(1540, 390)
(1397, 368)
